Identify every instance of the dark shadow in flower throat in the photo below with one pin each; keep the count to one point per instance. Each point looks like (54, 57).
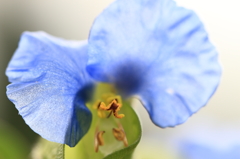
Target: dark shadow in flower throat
(81, 117)
(129, 78)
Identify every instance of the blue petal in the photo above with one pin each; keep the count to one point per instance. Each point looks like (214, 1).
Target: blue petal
(158, 51)
(48, 83)
(200, 151)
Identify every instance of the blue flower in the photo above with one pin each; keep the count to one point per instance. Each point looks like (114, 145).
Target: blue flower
(152, 49)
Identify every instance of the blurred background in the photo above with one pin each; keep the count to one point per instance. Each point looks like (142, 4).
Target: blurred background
(216, 126)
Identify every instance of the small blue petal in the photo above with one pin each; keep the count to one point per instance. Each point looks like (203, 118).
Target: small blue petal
(158, 51)
(198, 151)
(47, 75)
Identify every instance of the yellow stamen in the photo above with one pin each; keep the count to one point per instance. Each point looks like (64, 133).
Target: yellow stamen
(96, 104)
(113, 107)
(111, 98)
(101, 113)
(111, 103)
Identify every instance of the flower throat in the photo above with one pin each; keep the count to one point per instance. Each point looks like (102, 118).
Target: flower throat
(109, 132)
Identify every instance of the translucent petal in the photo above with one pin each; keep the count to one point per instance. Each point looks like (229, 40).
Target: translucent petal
(48, 86)
(158, 51)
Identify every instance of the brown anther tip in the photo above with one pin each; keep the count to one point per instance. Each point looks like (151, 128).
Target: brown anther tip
(120, 135)
(99, 105)
(99, 140)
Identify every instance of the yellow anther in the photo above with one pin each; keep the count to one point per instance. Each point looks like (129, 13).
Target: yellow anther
(111, 98)
(109, 102)
(101, 113)
(120, 135)
(95, 105)
(98, 139)
(113, 107)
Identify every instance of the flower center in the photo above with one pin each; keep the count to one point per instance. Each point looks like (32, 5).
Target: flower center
(109, 133)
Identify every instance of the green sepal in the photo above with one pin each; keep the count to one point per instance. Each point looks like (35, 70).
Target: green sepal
(133, 132)
(131, 124)
(132, 127)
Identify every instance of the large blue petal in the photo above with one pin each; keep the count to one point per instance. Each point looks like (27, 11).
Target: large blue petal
(48, 85)
(158, 51)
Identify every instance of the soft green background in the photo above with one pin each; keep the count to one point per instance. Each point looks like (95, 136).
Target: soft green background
(71, 19)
